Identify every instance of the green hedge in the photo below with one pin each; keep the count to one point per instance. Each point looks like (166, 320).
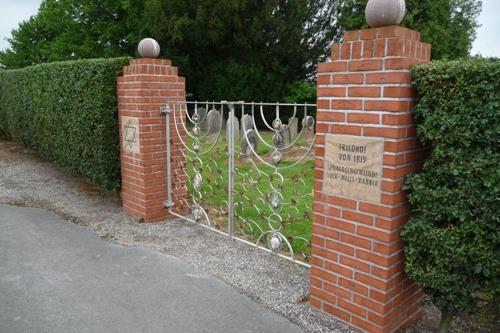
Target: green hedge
(453, 237)
(67, 111)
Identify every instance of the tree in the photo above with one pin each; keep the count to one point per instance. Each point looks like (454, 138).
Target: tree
(66, 29)
(232, 49)
(25, 48)
(243, 49)
(448, 25)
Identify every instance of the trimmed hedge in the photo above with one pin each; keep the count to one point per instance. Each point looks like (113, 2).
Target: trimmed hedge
(67, 111)
(453, 237)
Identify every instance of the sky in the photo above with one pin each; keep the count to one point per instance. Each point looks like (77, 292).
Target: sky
(487, 43)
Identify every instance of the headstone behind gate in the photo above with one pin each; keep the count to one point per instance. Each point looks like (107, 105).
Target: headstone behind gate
(248, 144)
(246, 122)
(214, 124)
(293, 123)
(236, 129)
(308, 129)
(247, 129)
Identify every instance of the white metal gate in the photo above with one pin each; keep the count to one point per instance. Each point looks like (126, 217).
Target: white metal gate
(248, 177)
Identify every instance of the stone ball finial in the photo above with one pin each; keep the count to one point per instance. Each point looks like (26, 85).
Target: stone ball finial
(381, 13)
(149, 48)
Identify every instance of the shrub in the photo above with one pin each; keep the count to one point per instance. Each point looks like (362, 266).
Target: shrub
(301, 92)
(453, 237)
(67, 111)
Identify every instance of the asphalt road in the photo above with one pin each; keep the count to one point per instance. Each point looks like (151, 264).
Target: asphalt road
(56, 276)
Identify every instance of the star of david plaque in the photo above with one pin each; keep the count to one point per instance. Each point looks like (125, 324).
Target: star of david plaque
(130, 130)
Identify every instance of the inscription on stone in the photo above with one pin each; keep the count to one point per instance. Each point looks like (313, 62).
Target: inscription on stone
(353, 167)
(130, 130)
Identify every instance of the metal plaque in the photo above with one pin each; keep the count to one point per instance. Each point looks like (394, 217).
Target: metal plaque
(353, 166)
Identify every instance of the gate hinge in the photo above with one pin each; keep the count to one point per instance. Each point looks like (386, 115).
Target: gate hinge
(165, 110)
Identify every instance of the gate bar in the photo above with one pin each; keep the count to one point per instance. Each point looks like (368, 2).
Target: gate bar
(230, 184)
(167, 111)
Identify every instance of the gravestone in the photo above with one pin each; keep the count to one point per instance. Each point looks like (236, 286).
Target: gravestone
(246, 123)
(236, 129)
(214, 124)
(293, 123)
(308, 129)
(253, 140)
(282, 137)
(285, 135)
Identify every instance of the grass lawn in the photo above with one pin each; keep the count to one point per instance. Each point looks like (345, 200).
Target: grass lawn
(253, 190)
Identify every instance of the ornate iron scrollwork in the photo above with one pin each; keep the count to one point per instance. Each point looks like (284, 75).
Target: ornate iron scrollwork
(260, 202)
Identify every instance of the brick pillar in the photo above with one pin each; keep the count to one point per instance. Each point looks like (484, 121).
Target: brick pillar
(146, 85)
(365, 92)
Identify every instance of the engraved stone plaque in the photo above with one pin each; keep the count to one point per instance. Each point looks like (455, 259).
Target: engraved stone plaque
(353, 166)
(130, 130)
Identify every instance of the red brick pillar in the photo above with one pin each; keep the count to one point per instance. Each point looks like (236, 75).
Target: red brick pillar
(146, 85)
(366, 144)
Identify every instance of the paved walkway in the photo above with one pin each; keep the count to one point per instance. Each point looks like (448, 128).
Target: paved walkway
(56, 276)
